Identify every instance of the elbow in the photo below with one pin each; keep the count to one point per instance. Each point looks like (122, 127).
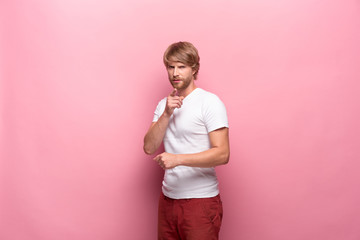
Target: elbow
(147, 147)
(226, 157)
(223, 156)
(148, 150)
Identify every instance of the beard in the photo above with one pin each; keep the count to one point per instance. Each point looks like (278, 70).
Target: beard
(182, 84)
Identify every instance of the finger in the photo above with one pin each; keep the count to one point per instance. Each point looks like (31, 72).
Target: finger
(173, 93)
(157, 158)
(174, 102)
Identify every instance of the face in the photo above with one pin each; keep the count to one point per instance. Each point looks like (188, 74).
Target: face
(181, 76)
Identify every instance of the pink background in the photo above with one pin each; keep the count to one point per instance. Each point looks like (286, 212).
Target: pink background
(80, 80)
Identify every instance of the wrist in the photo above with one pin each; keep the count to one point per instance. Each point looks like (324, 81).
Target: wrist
(166, 115)
(178, 159)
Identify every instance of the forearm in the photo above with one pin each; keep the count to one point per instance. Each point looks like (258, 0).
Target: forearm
(155, 134)
(210, 158)
(218, 153)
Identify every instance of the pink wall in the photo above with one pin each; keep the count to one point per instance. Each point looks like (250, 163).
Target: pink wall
(80, 81)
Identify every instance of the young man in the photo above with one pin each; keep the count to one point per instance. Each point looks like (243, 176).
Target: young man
(193, 125)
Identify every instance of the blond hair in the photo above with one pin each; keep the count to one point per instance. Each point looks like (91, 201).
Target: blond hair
(185, 53)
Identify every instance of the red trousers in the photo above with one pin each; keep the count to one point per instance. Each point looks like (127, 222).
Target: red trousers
(189, 219)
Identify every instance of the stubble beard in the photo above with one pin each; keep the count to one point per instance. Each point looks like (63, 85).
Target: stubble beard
(181, 85)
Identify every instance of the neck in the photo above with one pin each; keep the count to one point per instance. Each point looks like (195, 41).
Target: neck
(187, 91)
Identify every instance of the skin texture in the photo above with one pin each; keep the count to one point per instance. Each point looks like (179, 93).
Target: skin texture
(182, 79)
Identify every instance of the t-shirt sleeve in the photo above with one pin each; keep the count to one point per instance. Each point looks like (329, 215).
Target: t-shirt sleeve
(215, 115)
(159, 110)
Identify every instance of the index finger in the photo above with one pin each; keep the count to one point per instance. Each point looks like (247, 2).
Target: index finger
(173, 93)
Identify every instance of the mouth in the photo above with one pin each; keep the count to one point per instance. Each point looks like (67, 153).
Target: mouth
(176, 80)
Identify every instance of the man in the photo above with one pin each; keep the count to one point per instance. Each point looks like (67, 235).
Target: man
(193, 125)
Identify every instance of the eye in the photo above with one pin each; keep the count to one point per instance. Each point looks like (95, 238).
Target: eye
(171, 67)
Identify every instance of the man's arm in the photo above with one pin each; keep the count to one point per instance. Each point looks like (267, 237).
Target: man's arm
(218, 153)
(156, 132)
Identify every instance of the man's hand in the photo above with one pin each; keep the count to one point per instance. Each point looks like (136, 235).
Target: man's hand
(156, 132)
(167, 160)
(173, 102)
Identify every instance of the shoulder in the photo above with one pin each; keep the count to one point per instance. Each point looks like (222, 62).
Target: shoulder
(208, 97)
(160, 106)
(213, 111)
(211, 103)
(162, 101)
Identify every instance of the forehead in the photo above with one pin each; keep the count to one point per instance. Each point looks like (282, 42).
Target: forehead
(173, 62)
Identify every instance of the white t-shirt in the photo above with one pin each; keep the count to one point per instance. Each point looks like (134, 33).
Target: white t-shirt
(187, 132)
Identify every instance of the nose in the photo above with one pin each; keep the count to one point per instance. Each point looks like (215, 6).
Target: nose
(176, 71)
